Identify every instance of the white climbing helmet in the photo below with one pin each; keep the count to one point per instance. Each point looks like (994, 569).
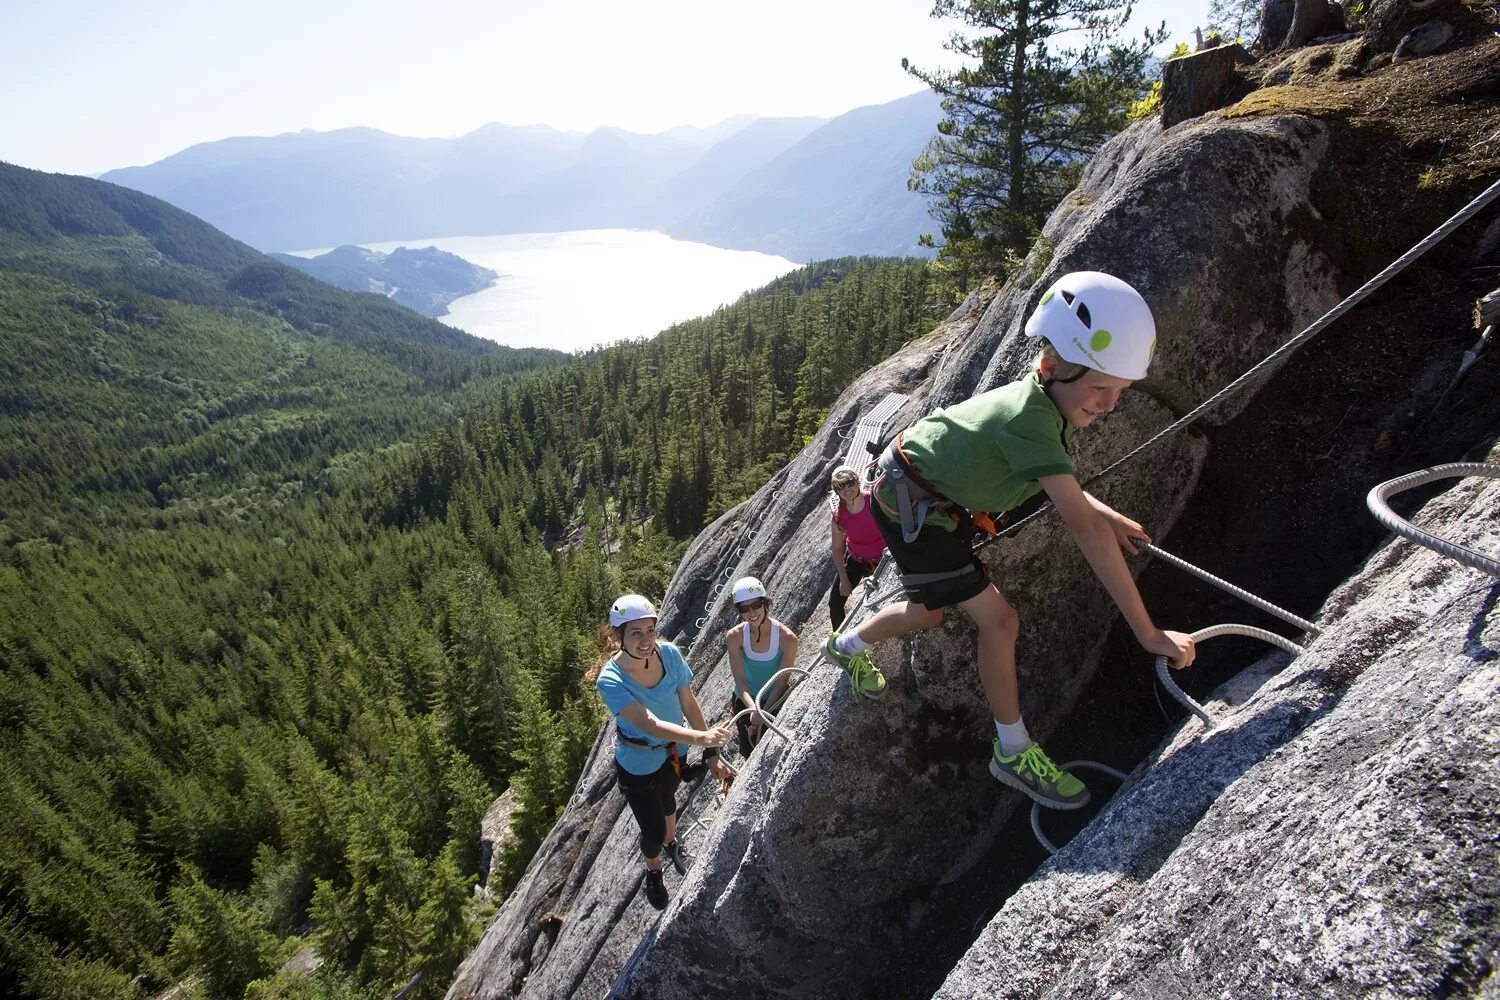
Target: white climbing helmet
(844, 473)
(748, 588)
(1094, 319)
(629, 608)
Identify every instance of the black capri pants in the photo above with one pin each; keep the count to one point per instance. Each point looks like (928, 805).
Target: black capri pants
(652, 798)
(857, 569)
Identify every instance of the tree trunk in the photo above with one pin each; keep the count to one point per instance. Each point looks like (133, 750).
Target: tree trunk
(1275, 20)
(1015, 132)
(1308, 19)
(1194, 84)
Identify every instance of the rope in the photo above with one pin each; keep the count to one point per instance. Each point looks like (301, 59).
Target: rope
(1378, 502)
(1228, 587)
(1260, 370)
(734, 720)
(1036, 807)
(1163, 671)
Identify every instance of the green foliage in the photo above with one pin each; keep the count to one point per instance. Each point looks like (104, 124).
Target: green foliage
(680, 427)
(1236, 20)
(283, 606)
(219, 937)
(1023, 116)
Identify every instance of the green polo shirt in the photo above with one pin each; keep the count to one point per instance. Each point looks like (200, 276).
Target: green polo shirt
(988, 452)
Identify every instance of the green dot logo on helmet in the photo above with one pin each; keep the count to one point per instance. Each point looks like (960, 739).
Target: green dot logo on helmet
(1094, 319)
(748, 588)
(629, 608)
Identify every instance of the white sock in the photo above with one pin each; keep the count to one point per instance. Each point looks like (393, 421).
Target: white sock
(1013, 736)
(850, 644)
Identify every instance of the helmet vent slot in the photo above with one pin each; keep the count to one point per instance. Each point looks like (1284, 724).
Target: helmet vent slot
(1067, 296)
(1084, 317)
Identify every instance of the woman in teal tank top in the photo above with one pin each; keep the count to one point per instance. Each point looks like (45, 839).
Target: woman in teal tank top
(758, 647)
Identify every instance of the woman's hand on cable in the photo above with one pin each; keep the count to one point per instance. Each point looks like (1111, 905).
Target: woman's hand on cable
(1178, 647)
(719, 769)
(715, 737)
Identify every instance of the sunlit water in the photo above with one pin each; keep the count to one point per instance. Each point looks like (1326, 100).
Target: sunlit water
(576, 290)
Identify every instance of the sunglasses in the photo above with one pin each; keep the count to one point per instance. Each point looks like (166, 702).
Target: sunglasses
(754, 605)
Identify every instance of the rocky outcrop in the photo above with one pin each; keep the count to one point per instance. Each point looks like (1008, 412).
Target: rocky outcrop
(850, 862)
(1335, 836)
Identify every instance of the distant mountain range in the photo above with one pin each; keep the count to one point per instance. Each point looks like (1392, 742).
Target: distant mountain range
(425, 280)
(804, 188)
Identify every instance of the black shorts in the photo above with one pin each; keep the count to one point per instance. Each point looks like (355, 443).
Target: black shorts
(935, 551)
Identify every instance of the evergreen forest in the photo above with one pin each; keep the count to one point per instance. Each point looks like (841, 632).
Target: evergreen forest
(294, 582)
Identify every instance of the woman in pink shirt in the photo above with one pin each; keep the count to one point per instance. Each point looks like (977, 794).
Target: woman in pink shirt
(857, 543)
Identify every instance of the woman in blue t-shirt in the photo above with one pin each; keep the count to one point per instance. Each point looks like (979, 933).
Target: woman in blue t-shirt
(647, 687)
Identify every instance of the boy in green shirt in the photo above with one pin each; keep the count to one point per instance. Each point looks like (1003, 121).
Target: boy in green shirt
(990, 453)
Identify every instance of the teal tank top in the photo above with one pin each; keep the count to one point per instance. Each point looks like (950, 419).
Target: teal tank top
(760, 666)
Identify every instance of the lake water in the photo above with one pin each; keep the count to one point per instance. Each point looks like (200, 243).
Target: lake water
(579, 289)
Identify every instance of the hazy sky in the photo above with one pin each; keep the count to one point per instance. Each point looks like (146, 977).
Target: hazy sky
(89, 85)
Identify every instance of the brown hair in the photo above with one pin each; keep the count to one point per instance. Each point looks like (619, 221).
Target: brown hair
(1066, 370)
(608, 641)
(841, 474)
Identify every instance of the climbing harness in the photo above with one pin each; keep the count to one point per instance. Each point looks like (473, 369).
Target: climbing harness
(915, 496)
(621, 734)
(1378, 502)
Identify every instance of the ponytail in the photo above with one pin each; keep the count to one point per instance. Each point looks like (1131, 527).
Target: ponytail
(608, 641)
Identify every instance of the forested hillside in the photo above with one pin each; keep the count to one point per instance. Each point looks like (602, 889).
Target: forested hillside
(293, 582)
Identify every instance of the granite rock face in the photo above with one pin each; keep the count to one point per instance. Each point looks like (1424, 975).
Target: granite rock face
(1334, 836)
(835, 852)
(848, 796)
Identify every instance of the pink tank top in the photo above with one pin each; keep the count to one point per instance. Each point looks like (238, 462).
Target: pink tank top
(861, 536)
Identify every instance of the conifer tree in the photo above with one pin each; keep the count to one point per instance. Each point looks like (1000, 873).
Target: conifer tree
(220, 938)
(1046, 82)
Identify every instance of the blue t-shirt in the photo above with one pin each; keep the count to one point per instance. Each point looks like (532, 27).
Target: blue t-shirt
(618, 690)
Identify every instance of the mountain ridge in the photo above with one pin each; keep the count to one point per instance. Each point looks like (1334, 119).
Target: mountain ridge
(307, 189)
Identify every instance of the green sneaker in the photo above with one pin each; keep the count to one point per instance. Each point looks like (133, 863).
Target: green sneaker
(865, 677)
(1032, 771)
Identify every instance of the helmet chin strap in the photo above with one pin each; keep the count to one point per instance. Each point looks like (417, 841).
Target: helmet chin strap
(1064, 381)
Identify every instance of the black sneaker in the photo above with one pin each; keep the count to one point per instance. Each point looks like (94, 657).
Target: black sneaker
(656, 889)
(678, 852)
